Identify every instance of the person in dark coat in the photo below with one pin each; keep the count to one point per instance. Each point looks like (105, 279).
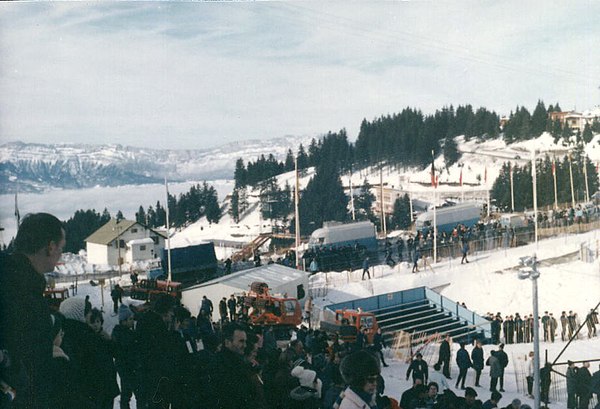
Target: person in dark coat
(477, 359)
(378, 345)
(63, 382)
(410, 394)
(223, 309)
(503, 359)
(546, 380)
(465, 251)
(116, 294)
(416, 257)
(419, 369)
(495, 369)
(92, 353)
(492, 402)
(470, 400)
(206, 307)
(232, 379)
(155, 366)
(584, 386)
(444, 356)
(464, 363)
(25, 323)
(125, 349)
(365, 267)
(231, 305)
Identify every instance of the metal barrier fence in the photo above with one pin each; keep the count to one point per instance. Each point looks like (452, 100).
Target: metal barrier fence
(450, 252)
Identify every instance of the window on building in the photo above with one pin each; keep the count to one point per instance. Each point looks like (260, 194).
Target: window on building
(122, 244)
(142, 248)
(134, 230)
(154, 239)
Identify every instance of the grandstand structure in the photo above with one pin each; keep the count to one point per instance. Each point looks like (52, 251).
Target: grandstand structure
(420, 315)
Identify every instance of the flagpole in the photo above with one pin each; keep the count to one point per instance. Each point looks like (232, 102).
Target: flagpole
(555, 190)
(512, 191)
(351, 197)
(571, 178)
(587, 191)
(169, 274)
(488, 193)
(434, 181)
(462, 189)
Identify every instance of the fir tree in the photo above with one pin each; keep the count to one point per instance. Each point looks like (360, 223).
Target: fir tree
(451, 154)
(140, 216)
(234, 206)
(401, 213)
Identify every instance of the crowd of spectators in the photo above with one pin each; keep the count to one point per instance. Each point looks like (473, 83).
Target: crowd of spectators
(519, 329)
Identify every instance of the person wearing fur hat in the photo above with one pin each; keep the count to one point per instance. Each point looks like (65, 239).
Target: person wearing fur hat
(123, 337)
(361, 371)
(309, 391)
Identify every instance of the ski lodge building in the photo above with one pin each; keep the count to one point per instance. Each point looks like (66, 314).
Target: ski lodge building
(123, 241)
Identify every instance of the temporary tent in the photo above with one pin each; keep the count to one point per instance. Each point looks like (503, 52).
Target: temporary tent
(280, 279)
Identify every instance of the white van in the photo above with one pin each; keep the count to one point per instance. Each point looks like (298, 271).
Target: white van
(512, 220)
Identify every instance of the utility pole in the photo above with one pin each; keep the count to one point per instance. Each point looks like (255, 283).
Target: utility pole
(169, 275)
(297, 213)
(533, 275)
(534, 176)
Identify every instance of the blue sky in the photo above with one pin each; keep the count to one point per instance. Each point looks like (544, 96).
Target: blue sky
(193, 75)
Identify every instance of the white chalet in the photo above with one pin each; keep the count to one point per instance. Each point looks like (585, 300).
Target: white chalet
(123, 241)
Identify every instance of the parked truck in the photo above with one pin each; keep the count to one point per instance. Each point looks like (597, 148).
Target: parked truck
(347, 323)
(191, 264)
(447, 218)
(339, 234)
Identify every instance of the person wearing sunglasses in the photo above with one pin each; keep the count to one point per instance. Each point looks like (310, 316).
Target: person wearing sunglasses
(361, 371)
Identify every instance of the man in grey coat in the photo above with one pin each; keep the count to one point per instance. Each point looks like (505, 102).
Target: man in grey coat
(495, 370)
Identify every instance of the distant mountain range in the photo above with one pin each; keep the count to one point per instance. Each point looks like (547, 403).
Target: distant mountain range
(38, 167)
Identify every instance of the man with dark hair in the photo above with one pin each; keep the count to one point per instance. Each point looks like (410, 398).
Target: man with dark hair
(470, 400)
(419, 369)
(492, 403)
(25, 323)
(232, 380)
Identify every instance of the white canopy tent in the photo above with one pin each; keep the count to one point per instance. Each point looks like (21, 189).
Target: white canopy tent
(280, 279)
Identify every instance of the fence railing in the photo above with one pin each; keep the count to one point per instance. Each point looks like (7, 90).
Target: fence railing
(379, 302)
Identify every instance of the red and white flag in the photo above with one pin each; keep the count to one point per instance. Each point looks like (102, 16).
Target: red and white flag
(553, 168)
(460, 178)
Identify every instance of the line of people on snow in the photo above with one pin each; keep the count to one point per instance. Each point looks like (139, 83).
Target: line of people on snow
(516, 329)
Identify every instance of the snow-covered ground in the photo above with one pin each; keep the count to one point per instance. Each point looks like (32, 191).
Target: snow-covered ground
(489, 283)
